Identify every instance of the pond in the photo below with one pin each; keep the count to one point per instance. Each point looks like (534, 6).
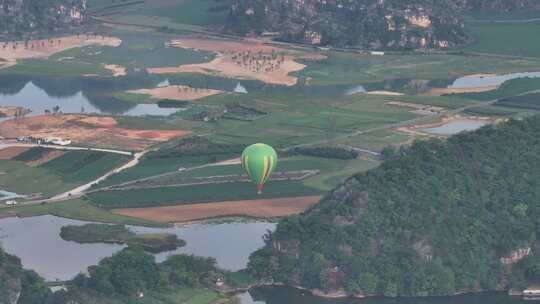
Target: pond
(287, 295)
(36, 241)
(489, 80)
(456, 126)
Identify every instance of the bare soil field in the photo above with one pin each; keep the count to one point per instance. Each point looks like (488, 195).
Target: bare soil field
(96, 131)
(264, 208)
(46, 158)
(14, 50)
(246, 59)
(12, 152)
(444, 91)
(177, 92)
(385, 93)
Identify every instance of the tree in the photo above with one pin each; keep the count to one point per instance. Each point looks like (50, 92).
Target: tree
(34, 289)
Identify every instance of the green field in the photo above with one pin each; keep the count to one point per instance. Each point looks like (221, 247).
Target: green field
(58, 175)
(302, 119)
(22, 179)
(349, 68)
(194, 12)
(84, 166)
(514, 39)
(196, 194)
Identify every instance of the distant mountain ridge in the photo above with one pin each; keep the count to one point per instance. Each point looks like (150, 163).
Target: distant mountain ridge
(370, 24)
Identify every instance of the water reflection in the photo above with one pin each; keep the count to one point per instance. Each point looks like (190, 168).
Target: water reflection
(76, 95)
(287, 295)
(37, 242)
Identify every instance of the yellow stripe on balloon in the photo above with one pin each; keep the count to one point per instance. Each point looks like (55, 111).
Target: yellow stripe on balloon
(269, 171)
(265, 170)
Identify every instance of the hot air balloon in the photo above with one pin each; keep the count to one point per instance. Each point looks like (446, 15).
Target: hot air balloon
(259, 161)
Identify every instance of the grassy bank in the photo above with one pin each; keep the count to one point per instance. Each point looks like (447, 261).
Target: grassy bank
(77, 209)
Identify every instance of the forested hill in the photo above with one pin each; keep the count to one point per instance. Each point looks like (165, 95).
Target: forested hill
(370, 24)
(20, 18)
(437, 218)
(18, 285)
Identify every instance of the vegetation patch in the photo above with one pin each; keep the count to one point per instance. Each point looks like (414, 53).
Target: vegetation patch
(507, 38)
(241, 112)
(32, 154)
(326, 152)
(195, 146)
(122, 278)
(119, 234)
(82, 166)
(527, 102)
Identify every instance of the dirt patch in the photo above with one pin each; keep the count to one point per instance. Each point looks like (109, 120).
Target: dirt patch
(264, 208)
(95, 131)
(246, 59)
(444, 91)
(116, 69)
(46, 158)
(12, 152)
(386, 93)
(177, 92)
(14, 50)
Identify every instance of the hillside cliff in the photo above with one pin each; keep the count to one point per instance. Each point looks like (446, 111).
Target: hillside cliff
(369, 24)
(19, 286)
(437, 218)
(19, 18)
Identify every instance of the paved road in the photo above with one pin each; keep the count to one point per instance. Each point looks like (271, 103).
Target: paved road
(80, 190)
(13, 143)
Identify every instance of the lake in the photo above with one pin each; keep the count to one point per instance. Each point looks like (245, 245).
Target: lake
(485, 81)
(36, 241)
(455, 127)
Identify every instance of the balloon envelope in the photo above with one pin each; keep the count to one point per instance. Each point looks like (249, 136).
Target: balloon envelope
(259, 161)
